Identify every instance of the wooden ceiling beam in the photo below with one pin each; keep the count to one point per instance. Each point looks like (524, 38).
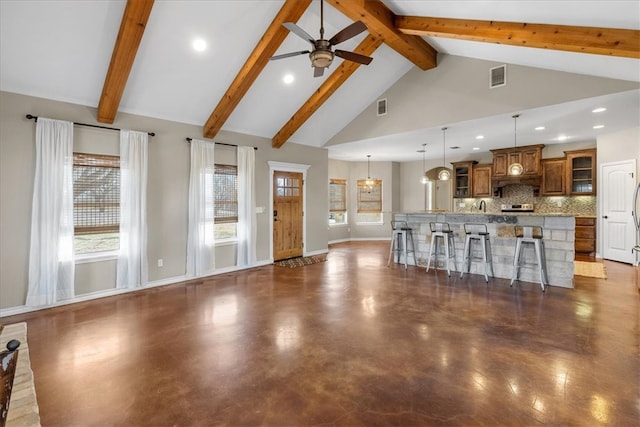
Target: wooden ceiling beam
(324, 92)
(599, 41)
(380, 22)
(134, 20)
(291, 11)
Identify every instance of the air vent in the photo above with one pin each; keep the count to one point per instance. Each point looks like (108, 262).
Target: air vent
(498, 76)
(382, 107)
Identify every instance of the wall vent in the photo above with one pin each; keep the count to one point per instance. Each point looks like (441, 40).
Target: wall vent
(382, 107)
(498, 76)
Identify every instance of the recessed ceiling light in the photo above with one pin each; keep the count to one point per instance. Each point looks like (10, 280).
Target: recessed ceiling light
(476, 148)
(598, 126)
(539, 128)
(288, 79)
(199, 45)
(563, 138)
(599, 110)
(480, 137)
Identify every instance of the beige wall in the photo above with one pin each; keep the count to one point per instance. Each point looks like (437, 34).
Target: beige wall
(167, 191)
(458, 90)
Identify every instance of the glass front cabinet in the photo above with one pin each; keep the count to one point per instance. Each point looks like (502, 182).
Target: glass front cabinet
(581, 172)
(463, 178)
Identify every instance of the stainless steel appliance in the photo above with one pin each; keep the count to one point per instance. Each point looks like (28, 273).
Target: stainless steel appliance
(524, 207)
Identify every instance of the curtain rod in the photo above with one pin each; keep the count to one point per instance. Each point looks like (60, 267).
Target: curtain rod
(219, 143)
(35, 118)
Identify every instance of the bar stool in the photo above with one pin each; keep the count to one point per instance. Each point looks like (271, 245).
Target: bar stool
(533, 235)
(442, 230)
(479, 233)
(401, 236)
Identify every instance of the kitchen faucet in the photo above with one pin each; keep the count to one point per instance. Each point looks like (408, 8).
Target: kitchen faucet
(483, 206)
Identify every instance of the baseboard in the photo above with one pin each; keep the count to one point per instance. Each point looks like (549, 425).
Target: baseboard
(370, 239)
(333, 242)
(23, 309)
(319, 252)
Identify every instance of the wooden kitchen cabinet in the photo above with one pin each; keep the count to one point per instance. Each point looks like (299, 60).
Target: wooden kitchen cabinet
(529, 157)
(553, 177)
(585, 240)
(581, 172)
(482, 181)
(463, 178)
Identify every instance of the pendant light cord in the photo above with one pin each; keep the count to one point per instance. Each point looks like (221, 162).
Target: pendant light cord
(444, 155)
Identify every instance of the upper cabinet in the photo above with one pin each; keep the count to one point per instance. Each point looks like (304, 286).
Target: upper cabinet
(553, 177)
(581, 172)
(482, 181)
(463, 178)
(528, 156)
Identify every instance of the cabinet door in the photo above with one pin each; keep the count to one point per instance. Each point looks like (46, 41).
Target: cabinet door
(500, 163)
(462, 180)
(553, 177)
(530, 160)
(581, 172)
(482, 181)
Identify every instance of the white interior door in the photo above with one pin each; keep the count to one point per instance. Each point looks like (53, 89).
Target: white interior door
(618, 230)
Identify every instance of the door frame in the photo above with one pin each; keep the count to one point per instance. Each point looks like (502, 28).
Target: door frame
(600, 202)
(288, 167)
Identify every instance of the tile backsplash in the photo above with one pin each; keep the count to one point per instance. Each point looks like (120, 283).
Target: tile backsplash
(520, 194)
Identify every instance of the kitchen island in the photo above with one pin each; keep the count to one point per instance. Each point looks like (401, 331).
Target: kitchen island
(559, 236)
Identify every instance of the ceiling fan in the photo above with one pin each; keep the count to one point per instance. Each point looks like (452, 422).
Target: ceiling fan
(321, 56)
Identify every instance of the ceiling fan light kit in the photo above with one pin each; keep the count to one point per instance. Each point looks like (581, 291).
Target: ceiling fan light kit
(322, 56)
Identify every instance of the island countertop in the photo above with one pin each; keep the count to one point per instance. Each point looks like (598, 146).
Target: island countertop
(559, 236)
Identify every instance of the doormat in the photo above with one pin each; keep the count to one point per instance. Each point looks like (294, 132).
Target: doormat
(301, 261)
(589, 269)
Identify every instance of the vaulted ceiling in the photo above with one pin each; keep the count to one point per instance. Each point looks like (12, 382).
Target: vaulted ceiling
(135, 56)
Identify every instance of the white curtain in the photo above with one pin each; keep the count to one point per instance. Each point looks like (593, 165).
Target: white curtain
(246, 207)
(51, 263)
(200, 240)
(132, 267)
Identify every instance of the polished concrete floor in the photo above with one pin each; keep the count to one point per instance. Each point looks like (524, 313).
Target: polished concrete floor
(345, 342)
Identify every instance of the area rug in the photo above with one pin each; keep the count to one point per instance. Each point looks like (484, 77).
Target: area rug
(23, 405)
(301, 261)
(589, 269)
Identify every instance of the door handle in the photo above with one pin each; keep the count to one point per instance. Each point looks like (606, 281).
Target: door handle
(605, 217)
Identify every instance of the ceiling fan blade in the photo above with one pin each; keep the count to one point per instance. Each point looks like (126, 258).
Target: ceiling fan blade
(352, 56)
(318, 71)
(299, 32)
(348, 32)
(288, 55)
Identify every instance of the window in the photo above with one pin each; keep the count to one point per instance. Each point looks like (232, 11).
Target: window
(225, 184)
(337, 201)
(96, 203)
(369, 202)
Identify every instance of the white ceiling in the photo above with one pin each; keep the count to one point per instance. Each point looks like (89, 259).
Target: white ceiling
(61, 50)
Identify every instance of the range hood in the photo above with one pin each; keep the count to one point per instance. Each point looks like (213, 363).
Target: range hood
(503, 181)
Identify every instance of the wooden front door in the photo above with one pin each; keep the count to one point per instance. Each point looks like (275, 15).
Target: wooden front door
(287, 215)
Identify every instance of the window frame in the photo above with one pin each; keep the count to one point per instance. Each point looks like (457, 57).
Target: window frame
(85, 159)
(334, 203)
(365, 196)
(221, 169)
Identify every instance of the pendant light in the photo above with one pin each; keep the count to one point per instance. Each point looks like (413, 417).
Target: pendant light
(444, 174)
(424, 179)
(369, 182)
(515, 168)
